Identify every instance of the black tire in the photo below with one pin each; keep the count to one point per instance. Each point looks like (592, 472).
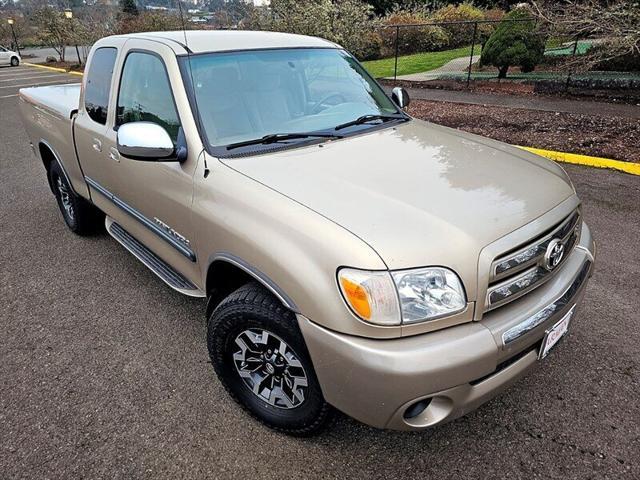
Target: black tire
(252, 308)
(80, 216)
(15, 61)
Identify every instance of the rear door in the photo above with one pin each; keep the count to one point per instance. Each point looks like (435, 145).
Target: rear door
(153, 198)
(90, 128)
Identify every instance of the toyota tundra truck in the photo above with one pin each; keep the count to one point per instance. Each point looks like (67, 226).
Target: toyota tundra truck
(352, 257)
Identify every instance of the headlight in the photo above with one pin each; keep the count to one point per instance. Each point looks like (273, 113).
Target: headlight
(402, 297)
(429, 293)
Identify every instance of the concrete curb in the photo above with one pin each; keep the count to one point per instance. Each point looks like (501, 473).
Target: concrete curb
(54, 69)
(598, 162)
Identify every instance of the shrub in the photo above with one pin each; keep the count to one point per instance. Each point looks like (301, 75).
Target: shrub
(51, 59)
(514, 43)
(460, 34)
(150, 21)
(371, 47)
(427, 38)
(485, 30)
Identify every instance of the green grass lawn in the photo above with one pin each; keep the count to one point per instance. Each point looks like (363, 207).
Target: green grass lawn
(418, 62)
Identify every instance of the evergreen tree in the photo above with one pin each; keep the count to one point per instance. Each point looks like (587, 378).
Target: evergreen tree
(129, 6)
(515, 42)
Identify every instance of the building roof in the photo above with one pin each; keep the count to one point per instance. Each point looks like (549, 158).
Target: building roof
(201, 41)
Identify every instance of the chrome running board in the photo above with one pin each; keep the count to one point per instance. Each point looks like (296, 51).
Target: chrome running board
(167, 273)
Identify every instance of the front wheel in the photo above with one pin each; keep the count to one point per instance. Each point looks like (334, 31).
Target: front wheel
(258, 352)
(15, 62)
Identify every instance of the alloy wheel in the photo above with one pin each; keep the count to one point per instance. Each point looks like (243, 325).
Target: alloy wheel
(65, 198)
(270, 368)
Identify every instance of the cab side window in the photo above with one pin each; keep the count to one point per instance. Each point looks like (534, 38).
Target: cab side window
(98, 87)
(145, 94)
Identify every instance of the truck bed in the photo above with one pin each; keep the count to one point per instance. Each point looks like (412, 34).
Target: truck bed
(60, 100)
(47, 116)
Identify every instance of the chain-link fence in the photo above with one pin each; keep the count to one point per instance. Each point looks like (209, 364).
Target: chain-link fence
(462, 54)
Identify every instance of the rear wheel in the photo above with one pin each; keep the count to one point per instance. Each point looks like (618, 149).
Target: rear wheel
(258, 352)
(80, 216)
(15, 61)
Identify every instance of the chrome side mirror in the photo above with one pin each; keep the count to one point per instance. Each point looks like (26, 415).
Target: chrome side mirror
(401, 97)
(145, 141)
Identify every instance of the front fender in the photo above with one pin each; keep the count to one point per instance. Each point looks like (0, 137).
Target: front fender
(289, 248)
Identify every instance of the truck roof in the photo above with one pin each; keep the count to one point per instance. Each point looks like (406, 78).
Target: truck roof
(202, 41)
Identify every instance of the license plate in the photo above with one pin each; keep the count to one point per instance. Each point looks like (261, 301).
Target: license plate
(555, 333)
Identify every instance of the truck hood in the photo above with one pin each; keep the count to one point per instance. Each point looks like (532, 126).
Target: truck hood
(419, 194)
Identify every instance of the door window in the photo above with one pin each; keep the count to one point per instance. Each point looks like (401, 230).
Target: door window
(145, 94)
(98, 87)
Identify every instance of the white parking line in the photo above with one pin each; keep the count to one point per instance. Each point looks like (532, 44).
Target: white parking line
(38, 84)
(17, 71)
(8, 96)
(20, 71)
(22, 74)
(50, 75)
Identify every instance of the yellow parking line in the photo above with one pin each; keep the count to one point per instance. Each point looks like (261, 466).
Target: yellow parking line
(55, 69)
(598, 162)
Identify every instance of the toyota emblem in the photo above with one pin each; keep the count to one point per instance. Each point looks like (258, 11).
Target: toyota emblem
(554, 254)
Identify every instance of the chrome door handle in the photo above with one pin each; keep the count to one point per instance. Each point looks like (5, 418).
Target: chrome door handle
(97, 145)
(114, 154)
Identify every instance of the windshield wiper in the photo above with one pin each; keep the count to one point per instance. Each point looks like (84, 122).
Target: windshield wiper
(279, 137)
(369, 118)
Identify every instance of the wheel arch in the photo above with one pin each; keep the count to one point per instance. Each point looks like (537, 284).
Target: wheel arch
(227, 272)
(48, 156)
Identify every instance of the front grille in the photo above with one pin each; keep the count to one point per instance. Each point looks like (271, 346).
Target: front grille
(525, 268)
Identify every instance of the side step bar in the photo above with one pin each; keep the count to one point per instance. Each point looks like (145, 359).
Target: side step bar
(167, 273)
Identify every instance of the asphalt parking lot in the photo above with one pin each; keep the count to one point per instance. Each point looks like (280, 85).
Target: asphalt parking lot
(104, 370)
(13, 79)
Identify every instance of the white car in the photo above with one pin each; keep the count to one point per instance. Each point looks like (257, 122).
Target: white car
(9, 57)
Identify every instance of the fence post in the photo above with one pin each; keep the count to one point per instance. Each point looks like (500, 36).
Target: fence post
(395, 68)
(573, 56)
(473, 45)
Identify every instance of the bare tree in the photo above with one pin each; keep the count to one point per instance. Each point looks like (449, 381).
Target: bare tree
(54, 30)
(614, 23)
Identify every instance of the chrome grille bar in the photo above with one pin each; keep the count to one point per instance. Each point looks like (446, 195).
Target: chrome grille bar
(531, 253)
(524, 270)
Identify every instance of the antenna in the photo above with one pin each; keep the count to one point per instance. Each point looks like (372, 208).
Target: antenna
(193, 86)
(184, 28)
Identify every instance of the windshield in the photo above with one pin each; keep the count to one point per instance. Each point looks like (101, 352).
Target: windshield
(243, 96)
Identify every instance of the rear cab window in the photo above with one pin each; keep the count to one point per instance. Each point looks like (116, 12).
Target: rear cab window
(98, 86)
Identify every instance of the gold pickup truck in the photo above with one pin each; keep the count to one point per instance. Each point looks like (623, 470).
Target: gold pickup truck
(353, 257)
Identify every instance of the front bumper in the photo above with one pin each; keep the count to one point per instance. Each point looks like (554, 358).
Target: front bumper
(450, 371)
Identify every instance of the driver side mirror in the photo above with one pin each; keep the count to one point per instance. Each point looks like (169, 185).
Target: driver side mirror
(401, 97)
(145, 141)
